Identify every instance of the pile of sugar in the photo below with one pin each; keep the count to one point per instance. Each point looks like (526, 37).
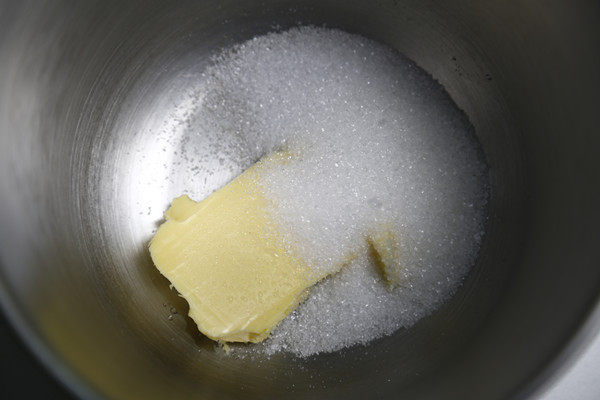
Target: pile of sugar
(375, 142)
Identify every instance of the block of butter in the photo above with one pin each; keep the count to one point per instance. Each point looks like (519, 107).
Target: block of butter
(225, 258)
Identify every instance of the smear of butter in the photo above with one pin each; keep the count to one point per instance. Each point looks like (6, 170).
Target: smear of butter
(225, 257)
(386, 251)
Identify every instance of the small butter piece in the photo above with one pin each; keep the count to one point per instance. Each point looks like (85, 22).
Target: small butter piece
(224, 257)
(386, 249)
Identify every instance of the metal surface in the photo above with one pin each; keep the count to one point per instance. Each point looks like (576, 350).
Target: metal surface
(91, 99)
(576, 368)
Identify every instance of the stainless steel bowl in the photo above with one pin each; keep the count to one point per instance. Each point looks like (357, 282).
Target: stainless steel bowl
(88, 91)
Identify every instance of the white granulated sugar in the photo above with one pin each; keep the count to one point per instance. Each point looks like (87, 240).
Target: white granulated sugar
(374, 141)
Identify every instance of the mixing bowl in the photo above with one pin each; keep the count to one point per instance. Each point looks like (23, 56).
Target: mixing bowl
(92, 99)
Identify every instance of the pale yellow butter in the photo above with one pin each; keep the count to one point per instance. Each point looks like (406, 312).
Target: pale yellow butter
(224, 257)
